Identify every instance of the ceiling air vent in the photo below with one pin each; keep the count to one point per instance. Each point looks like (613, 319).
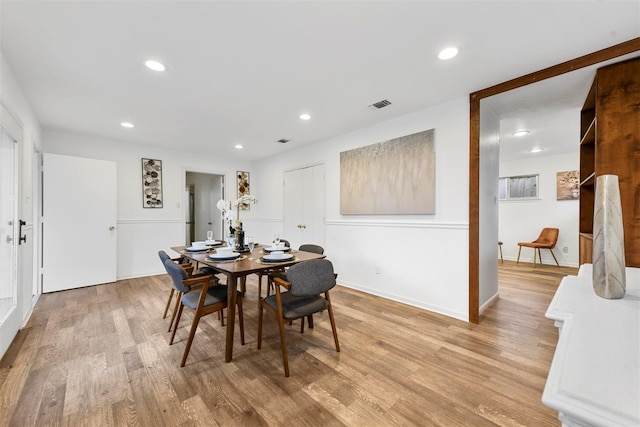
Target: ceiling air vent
(380, 104)
(283, 140)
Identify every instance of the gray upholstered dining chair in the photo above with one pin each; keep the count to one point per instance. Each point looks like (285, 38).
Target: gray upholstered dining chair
(187, 266)
(310, 247)
(271, 270)
(202, 294)
(308, 285)
(307, 247)
(281, 272)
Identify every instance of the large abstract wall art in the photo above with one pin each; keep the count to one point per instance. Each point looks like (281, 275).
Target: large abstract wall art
(391, 177)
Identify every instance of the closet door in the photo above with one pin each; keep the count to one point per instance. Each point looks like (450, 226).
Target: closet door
(79, 222)
(304, 201)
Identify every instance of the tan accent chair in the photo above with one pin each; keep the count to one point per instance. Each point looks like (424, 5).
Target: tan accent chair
(546, 240)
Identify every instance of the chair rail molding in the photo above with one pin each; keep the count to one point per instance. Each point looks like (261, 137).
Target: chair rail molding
(399, 224)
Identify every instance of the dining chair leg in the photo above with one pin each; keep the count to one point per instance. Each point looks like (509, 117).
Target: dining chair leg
(519, 249)
(192, 333)
(166, 307)
(240, 319)
(540, 255)
(260, 310)
(333, 322)
(175, 328)
(554, 257)
(175, 310)
(283, 343)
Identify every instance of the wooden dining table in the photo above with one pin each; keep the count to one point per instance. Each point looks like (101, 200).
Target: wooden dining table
(247, 263)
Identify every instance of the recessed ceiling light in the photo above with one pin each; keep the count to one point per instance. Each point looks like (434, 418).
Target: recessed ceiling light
(239, 146)
(521, 132)
(155, 65)
(126, 125)
(304, 116)
(535, 150)
(448, 53)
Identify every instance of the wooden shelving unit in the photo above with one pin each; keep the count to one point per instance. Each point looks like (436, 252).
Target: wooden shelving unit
(610, 144)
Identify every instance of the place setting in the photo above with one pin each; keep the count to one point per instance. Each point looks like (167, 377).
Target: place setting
(210, 242)
(225, 254)
(197, 247)
(277, 256)
(276, 246)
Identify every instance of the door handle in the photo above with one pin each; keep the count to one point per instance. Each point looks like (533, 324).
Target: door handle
(22, 238)
(112, 228)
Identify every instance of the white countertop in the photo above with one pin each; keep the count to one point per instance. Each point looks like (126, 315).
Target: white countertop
(595, 374)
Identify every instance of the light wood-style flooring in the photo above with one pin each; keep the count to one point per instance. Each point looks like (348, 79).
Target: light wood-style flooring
(99, 356)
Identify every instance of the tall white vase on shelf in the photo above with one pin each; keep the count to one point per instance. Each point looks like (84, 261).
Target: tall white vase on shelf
(609, 280)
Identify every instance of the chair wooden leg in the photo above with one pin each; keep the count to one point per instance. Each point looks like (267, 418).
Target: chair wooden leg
(283, 343)
(301, 325)
(333, 323)
(260, 310)
(175, 310)
(519, 249)
(554, 257)
(310, 320)
(540, 256)
(501, 259)
(240, 319)
(194, 326)
(166, 307)
(175, 328)
(221, 317)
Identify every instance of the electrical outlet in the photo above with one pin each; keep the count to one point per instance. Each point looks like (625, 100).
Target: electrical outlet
(177, 205)
(565, 250)
(377, 269)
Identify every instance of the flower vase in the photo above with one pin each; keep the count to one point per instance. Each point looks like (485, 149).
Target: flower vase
(609, 280)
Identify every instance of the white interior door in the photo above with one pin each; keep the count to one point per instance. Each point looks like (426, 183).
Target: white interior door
(9, 312)
(304, 201)
(79, 217)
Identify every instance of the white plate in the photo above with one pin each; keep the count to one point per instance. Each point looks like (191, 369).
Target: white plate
(282, 257)
(192, 249)
(232, 255)
(271, 249)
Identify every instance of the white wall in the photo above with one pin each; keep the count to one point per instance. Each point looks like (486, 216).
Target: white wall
(143, 232)
(489, 167)
(420, 260)
(13, 98)
(522, 221)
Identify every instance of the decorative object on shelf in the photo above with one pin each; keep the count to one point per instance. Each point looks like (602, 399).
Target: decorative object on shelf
(151, 183)
(231, 212)
(391, 177)
(568, 185)
(243, 188)
(609, 280)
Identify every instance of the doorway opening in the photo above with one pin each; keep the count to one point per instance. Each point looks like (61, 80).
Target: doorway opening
(202, 192)
(480, 245)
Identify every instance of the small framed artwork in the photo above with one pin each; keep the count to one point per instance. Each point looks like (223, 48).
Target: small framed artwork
(568, 185)
(151, 183)
(243, 188)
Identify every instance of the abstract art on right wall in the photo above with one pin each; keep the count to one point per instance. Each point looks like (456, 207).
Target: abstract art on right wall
(391, 177)
(568, 185)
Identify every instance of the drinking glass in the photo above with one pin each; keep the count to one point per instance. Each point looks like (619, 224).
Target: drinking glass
(209, 235)
(251, 243)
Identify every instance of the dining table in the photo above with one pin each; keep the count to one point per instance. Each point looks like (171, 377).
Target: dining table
(250, 262)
